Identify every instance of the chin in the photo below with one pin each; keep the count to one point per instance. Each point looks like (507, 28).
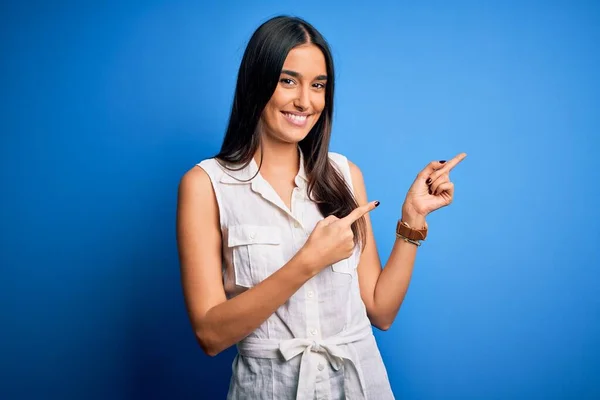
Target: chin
(289, 137)
(285, 134)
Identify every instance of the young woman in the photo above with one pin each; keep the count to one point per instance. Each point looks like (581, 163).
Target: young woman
(276, 247)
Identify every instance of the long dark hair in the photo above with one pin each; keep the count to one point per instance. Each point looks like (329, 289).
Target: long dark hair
(257, 80)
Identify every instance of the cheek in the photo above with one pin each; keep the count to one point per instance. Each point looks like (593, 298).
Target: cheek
(281, 98)
(319, 103)
(275, 105)
(270, 114)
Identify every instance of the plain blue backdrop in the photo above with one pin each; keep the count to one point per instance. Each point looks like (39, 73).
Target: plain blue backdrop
(105, 106)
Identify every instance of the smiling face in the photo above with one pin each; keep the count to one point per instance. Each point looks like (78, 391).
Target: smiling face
(299, 99)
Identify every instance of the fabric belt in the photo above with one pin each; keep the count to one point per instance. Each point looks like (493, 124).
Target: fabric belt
(290, 348)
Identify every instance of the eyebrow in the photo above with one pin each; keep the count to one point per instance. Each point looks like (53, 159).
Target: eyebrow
(299, 75)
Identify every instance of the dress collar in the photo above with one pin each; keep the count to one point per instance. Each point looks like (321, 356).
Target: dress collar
(235, 175)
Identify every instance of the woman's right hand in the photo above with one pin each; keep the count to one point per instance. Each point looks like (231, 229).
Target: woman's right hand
(332, 239)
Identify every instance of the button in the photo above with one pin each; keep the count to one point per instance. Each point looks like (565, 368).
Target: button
(320, 367)
(310, 293)
(313, 332)
(252, 235)
(296, 224)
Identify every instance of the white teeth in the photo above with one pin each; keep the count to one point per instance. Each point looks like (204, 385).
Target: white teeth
(298, 118)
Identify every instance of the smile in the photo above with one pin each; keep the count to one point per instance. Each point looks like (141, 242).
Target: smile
(295, 119)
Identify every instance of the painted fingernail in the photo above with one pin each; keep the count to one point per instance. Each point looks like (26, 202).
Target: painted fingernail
(442, 161)
(428, 181)
(377, 203)
(429, 191)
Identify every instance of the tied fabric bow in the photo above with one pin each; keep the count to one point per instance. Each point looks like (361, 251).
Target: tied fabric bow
(335, 355)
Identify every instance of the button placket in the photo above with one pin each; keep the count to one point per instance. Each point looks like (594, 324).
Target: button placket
(313, 326)
(296, 211)
(322, 388)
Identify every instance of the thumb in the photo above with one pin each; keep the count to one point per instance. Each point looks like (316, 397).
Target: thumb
(328, 220)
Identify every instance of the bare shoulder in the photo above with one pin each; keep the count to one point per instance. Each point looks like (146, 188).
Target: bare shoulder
(195, 186)
(195, 181)
(358, 182)
(197, 208)
(355, 172)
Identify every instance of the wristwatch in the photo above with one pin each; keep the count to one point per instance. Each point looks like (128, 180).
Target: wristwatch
(403, 229)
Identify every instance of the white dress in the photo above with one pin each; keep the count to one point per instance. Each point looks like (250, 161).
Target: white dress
(320, 343)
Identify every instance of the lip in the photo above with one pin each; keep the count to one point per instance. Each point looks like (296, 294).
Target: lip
(299, 120)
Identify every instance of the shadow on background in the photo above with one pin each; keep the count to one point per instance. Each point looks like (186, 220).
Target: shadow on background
(164, 357)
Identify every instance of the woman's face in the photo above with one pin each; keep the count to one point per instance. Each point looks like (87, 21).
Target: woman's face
(299, 98)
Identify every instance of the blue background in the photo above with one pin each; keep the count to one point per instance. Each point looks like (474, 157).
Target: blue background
(104, 107)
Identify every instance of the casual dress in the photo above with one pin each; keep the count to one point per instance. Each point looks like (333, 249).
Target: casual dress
(320, 343)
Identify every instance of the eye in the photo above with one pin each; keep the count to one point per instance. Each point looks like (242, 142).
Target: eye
(319, 85)
(287, 81)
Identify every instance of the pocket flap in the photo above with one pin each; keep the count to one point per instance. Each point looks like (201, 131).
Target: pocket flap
(343, 266)
(253, 234)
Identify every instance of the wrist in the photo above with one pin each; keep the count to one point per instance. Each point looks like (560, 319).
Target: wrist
(308, 263)
(413, 219)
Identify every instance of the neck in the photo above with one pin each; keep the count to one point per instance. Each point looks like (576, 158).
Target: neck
(279, 159)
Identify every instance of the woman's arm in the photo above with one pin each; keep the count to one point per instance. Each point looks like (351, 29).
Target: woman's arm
(383, 291)
(217, 322)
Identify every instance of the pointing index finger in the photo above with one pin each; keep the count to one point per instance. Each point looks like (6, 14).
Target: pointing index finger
(454, 162)
(359, 212)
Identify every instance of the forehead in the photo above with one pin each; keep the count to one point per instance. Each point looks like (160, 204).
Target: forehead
(307, 59)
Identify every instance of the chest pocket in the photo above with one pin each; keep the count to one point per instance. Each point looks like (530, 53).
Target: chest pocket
(256, 252)
(348, 265)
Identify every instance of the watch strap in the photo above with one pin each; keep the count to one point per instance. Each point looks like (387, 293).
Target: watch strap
(403, 229)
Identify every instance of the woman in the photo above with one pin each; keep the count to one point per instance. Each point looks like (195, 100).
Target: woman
(276, 247)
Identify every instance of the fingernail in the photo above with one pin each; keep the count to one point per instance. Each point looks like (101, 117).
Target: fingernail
(429, 191)
(442, 161)
(377, 203)
(428, 181)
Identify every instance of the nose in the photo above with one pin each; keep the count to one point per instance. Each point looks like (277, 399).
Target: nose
(302, 100)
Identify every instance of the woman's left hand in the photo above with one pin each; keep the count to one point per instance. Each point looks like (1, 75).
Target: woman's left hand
(432, 189)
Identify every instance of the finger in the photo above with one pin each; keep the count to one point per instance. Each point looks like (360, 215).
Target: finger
(454, 162)
(445, 187)
(359, 212)
(445, 169)
(437, 182)
(434, 177)
(430, 168)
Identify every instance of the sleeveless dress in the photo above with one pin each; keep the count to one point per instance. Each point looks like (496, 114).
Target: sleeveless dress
(320, 343)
